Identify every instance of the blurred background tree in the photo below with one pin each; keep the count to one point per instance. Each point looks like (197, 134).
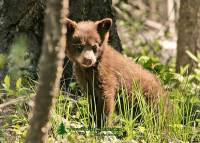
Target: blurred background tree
(188, 33)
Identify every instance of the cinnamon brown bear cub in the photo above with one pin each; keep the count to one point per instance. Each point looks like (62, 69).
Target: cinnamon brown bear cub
(101, 71)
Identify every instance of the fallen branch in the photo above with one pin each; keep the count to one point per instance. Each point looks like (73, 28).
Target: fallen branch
(14, 101)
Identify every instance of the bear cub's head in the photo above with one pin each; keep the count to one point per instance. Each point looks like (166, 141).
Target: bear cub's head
(86, 39)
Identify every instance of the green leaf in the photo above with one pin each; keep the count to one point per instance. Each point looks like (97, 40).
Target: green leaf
(18, 83)
(73, 85)
(2, 60)
(7, 82)
(192, 56)
(143, 59)
(167, 77)
(179, 77)
(141, 129)
(159, 67)
(184, 70)
(195, 100)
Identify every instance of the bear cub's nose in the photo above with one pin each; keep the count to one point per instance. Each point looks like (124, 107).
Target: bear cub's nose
(87, 62)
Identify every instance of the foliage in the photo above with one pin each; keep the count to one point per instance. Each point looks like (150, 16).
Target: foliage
(70, 116)
(17, 90)
(2, 60)
(18, 57)
(14, 116)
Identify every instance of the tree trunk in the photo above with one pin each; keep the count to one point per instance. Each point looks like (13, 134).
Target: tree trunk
(50, 66)
(26, 16)
(95, 10)
(158, 10)
(21, 16)
(188, 32)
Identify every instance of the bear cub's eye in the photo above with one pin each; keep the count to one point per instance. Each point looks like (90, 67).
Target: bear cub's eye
(79, 47)
(94, 48)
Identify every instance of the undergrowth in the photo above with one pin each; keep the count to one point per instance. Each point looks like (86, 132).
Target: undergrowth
(70, 116)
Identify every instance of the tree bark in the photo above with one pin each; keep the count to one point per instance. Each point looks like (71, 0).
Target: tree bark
(21, 16)
(26, 16)
(95, 10)
(158, 10)
(188, 33)
(50, 67)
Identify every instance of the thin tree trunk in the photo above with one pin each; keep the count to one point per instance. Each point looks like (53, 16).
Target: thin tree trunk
(50, 66)
(188, 32)
(171, 9)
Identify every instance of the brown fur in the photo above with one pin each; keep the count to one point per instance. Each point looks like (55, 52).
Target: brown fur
(109, 72)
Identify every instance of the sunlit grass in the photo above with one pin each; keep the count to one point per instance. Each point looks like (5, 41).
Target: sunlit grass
(70, 117)
(145, 126)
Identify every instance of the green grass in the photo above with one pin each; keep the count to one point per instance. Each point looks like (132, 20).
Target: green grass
(70, 116)
(74, 114)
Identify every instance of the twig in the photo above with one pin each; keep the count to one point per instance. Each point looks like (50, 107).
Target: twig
(13, 101)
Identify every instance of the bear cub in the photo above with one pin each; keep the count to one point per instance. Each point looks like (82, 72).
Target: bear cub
(101, 71)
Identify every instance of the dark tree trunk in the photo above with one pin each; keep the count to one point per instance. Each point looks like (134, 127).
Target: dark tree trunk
(50, 66)
(21, 16)
(188, 32)
(95, 10)
(26, 16)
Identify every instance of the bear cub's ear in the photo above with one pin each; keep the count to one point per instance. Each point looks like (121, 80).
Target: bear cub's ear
(103, 26)
(71, 25)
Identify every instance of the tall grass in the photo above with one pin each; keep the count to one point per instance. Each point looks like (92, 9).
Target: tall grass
(145, 126)
(71, 118)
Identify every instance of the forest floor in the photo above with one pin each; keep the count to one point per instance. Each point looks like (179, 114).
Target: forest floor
(69, 120)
